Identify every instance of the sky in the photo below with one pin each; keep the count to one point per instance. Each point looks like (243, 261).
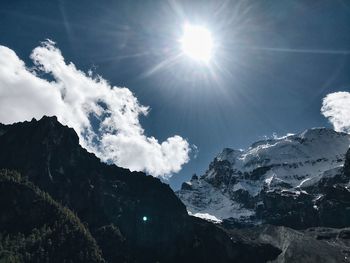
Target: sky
(113, 71)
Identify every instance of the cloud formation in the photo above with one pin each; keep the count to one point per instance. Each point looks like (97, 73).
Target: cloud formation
(105, 117)
(336, 107)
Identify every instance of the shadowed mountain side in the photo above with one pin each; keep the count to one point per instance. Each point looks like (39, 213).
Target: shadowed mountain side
(35, 228)
(113, 201)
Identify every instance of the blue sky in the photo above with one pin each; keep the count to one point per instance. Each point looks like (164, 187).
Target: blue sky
(275, 63)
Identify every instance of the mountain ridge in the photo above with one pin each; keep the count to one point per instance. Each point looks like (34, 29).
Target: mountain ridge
(241, 185)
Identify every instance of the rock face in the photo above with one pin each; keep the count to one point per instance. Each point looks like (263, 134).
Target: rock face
(326, 245)
(113, 201)
(297, 181)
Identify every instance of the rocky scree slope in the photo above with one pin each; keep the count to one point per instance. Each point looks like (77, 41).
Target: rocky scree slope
(313, 245)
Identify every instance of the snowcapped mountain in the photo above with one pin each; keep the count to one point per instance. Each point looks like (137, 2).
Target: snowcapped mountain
(284, 180)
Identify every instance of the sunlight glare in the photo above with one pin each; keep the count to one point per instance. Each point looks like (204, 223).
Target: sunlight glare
(197, 43)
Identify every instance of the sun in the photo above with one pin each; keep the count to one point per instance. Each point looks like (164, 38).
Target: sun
(197, 43)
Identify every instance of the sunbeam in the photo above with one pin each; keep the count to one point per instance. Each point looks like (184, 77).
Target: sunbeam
(306, 51)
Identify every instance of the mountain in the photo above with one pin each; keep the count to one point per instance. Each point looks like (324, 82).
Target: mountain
(131, 217)
(297, 181)
(279, 201)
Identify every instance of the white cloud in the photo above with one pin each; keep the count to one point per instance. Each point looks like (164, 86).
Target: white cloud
(336, 107)
(76, 98)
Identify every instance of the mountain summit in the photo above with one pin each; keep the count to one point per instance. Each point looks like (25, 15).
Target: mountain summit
(287, 181)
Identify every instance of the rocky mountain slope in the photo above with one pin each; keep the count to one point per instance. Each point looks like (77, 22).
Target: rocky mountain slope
(313, 245)
(297, 181)
(131, 217)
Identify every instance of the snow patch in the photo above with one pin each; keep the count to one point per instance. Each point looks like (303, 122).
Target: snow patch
(206, 216)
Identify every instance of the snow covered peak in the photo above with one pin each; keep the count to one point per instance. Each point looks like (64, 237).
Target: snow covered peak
(316, 143)
(234, 184)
